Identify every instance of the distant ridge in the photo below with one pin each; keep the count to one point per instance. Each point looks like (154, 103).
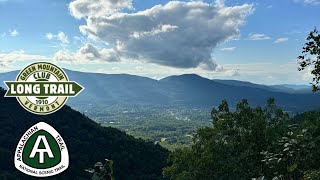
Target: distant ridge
(181, 90)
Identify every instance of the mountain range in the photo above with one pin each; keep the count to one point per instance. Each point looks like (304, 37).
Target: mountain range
(181, 90)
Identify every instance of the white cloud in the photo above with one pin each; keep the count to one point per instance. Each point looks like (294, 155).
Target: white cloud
(177, 34)
(158, 30)
(219, 68)
(231, 73)
(63, 38)
(308, 76)
(228, 49)
(139, 68)
(261, 73)
(87, 54)
(308, 2)
(281, 40)
(258, 37)
(7, 58)
(85, 8)
(115, 69)
(13, 33)
(50, 36)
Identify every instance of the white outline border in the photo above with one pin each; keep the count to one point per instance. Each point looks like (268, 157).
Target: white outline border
(64, 154)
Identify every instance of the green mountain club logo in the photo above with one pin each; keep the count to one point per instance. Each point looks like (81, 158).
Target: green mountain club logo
(41, 152)
(42, 88)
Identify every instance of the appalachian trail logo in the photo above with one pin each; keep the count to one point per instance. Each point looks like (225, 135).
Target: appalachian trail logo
(42, 88)
(41, 152)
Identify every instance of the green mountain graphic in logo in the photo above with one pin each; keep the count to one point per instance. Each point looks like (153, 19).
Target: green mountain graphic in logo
(41, 152)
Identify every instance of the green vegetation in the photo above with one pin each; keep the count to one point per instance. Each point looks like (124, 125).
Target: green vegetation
(169, 126)
(251, 143)
(310, 58)
(87, 142)
(102, 172)
(241, 143)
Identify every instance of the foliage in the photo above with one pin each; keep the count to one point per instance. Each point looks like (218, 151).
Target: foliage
(311, 57)
(87, 142)
(310, 175)
(168, 126)
(101, 172)
(248, 143)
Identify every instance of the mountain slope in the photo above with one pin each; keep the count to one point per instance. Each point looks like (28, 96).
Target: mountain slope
(87, 143)
(120, 88)
(275, 88)
(195, 90)
(182, 90)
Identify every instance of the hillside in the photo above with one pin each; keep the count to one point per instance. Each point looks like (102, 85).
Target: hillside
(274, 88)
(182, 90)
(87, 142)
(191, 89)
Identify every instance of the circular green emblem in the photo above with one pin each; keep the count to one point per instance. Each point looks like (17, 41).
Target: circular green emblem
(42, 88)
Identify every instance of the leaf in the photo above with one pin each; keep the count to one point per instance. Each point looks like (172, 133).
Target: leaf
(90, 170)
(96, 177)
(292, 167)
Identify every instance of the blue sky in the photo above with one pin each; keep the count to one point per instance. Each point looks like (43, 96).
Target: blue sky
(260, 46)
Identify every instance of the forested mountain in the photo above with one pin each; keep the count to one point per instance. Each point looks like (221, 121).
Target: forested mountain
(287, 88)
(191, 89)
(87, 143)
(182, 90)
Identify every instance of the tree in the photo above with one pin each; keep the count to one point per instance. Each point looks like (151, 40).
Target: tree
(310, 58)
(232, 148)
(101, 172)
(251, 143)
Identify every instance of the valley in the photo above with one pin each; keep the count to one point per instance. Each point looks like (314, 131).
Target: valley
(169, 111)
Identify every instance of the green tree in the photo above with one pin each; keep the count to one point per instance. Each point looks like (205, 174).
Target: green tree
(310, 57)
(231, 148)
(263, 143)
(102, 172)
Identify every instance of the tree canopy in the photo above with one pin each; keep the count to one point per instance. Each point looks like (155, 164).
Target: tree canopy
(250, 143)
(310, 57)
(87, 142)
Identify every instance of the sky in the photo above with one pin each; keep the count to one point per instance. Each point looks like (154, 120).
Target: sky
(248, 40)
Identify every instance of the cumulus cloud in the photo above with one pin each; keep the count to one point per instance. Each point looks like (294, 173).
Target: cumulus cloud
(258, 37)
(86, 54)
(85, 8)
(177, 34)
(228, 49)
(281, 40)
(61, 36)
(13, 33)
(7, 58)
